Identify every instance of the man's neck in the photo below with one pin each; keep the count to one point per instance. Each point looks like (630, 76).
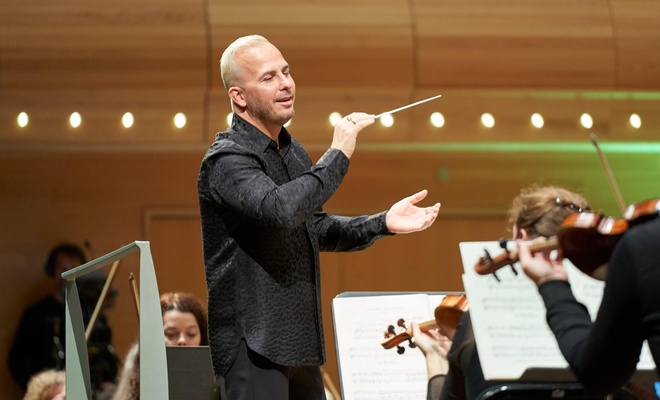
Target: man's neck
(270, 130)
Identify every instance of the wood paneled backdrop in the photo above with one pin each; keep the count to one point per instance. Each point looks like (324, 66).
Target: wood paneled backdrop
(109, 186)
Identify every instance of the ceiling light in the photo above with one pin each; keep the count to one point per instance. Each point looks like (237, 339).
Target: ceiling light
(387, 120)
(75, 119)
(22, 119)
(586, 121)
(437, 120)
(334, 118)
(537, 120)
(229, 118)
(488, 120)
(635, 121)
(180, 120)
(127, 120)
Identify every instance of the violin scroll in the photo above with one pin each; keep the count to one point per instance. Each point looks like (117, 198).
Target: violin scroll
(587, 239)
(394, 339)
(447, 315)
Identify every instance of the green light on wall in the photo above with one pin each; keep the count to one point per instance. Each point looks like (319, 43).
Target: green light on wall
(515, 147)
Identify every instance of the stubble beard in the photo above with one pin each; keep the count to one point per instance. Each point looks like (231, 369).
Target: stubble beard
(266, 112)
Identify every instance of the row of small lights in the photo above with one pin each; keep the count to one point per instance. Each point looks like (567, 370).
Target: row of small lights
(437, 120)
(488, 120)
(127, 120)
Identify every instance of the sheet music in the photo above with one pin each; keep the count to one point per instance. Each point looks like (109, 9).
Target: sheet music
(508, 317)
(367, 371)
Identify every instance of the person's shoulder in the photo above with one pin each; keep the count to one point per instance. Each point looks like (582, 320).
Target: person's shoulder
(227, 142)
(43, 306)
(645, 231)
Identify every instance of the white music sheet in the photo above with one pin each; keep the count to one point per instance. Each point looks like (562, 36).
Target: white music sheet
(508, 318)
(367, 371)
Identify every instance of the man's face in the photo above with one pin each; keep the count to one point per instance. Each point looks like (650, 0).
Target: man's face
(267, 85)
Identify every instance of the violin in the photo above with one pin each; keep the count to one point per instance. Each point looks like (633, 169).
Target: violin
(447, 315)
(586, 239)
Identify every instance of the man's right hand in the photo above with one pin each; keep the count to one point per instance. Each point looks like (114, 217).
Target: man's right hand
(347, 129)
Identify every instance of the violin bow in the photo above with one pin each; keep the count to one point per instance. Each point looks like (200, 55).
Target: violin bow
(327, 381)
(136, 295)
(101, 300)
(608, 172)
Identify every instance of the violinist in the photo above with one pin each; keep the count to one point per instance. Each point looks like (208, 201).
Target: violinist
(604, 353)
(535, 212)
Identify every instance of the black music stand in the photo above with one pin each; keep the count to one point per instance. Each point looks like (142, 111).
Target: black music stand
(191, 375)
(548, 390)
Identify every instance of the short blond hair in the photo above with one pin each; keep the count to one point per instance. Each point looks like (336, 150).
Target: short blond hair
(45, 385)
(228, 68)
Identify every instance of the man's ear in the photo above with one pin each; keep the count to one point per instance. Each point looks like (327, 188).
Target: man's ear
(237, 96)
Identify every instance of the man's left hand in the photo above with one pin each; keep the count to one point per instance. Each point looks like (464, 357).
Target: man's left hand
(406, 217)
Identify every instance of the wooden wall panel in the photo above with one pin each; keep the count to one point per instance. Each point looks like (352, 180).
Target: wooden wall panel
(111, 198)
(81, 44)
(339, 44)
(637, 35)
(156, 58)
(541, 44)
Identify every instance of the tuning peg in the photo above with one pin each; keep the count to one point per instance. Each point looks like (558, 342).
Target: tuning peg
(389, 332)
(488, 257)
(400, 349)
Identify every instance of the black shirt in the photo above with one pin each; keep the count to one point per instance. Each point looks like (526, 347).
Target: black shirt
(262, 229)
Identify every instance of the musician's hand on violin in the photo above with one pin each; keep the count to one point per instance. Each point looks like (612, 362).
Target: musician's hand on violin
(541, 266)
(406, 217)
(435, 347)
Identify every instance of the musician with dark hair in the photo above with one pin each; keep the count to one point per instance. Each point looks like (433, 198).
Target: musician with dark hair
(39, 343)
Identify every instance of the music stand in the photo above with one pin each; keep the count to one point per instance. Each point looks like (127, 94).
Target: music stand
(153, 368)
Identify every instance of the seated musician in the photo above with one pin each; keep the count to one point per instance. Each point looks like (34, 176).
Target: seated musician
(184, 324)
(535, 212)
(604, 353)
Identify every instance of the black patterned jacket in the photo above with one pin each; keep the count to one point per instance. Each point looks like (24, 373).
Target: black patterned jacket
(262, 229)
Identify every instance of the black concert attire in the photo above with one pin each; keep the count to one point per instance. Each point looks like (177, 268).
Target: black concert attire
(39, 343)
(465, 379)
(604, 354)
(262, 229)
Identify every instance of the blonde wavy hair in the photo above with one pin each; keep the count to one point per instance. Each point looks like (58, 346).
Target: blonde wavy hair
(540, 210)
(45, 385)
